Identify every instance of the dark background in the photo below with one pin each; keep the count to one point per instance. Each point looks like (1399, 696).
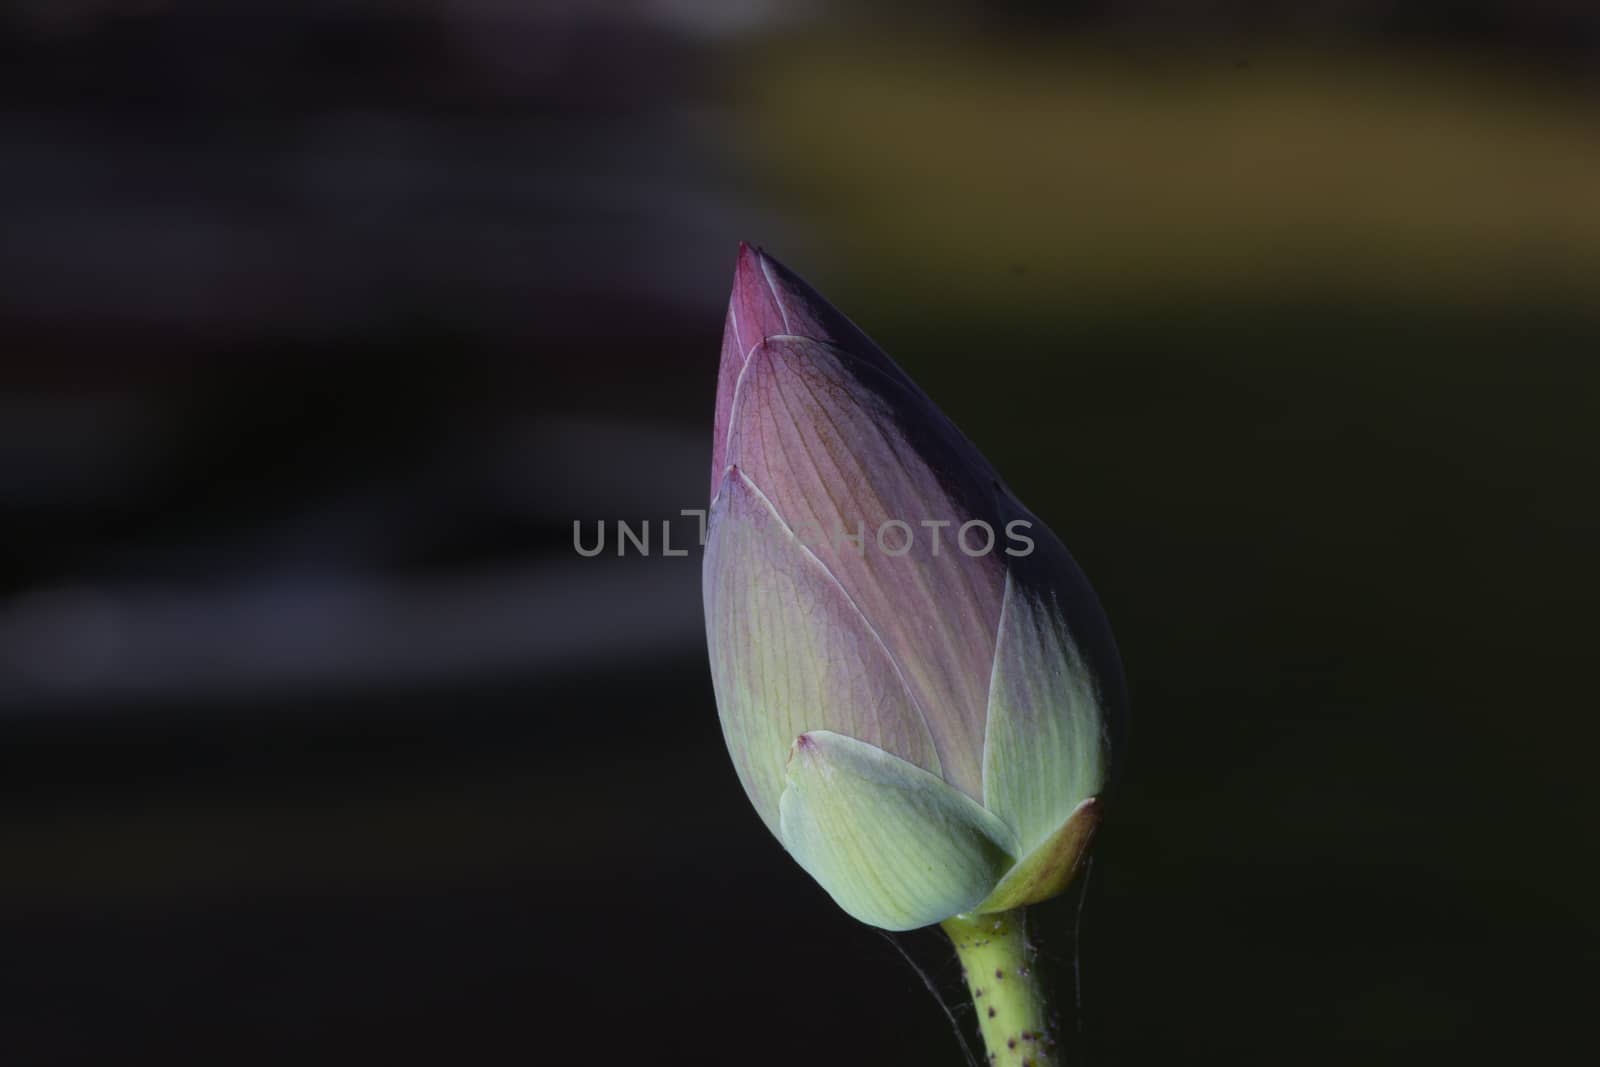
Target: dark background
(321, 324)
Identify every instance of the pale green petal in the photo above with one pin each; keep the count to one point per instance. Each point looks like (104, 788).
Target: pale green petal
(894, 845)
(1044, 751)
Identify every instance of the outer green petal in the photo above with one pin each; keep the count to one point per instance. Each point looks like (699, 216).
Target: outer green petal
(895, 846)
(790, 652)
(1044, 752)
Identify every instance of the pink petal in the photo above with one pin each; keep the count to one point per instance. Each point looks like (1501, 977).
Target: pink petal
(841, 447)
(769, 300)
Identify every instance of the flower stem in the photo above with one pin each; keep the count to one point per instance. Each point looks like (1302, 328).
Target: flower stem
(998, 967)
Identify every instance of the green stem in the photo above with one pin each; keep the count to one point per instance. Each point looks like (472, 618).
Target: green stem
(998, 967)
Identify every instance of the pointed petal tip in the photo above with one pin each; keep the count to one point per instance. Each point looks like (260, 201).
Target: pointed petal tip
(748, 266)
(720, 485)
(755, 308)
(804, 748)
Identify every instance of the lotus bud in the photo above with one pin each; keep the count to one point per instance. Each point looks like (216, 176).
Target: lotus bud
(916, 683)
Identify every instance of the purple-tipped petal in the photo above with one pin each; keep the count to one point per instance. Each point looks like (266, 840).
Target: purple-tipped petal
(754, 314)
(790, 652)
(769, 300)
(845, 451)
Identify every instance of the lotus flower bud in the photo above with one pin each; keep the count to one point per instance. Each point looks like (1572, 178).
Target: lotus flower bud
(917, 686)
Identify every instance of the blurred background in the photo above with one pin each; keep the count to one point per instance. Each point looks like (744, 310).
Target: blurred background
(321, 323)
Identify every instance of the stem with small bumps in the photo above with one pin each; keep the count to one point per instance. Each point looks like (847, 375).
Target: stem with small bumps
(998, 968)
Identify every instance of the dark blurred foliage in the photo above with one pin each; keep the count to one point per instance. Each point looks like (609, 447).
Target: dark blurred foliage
(321, 323)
